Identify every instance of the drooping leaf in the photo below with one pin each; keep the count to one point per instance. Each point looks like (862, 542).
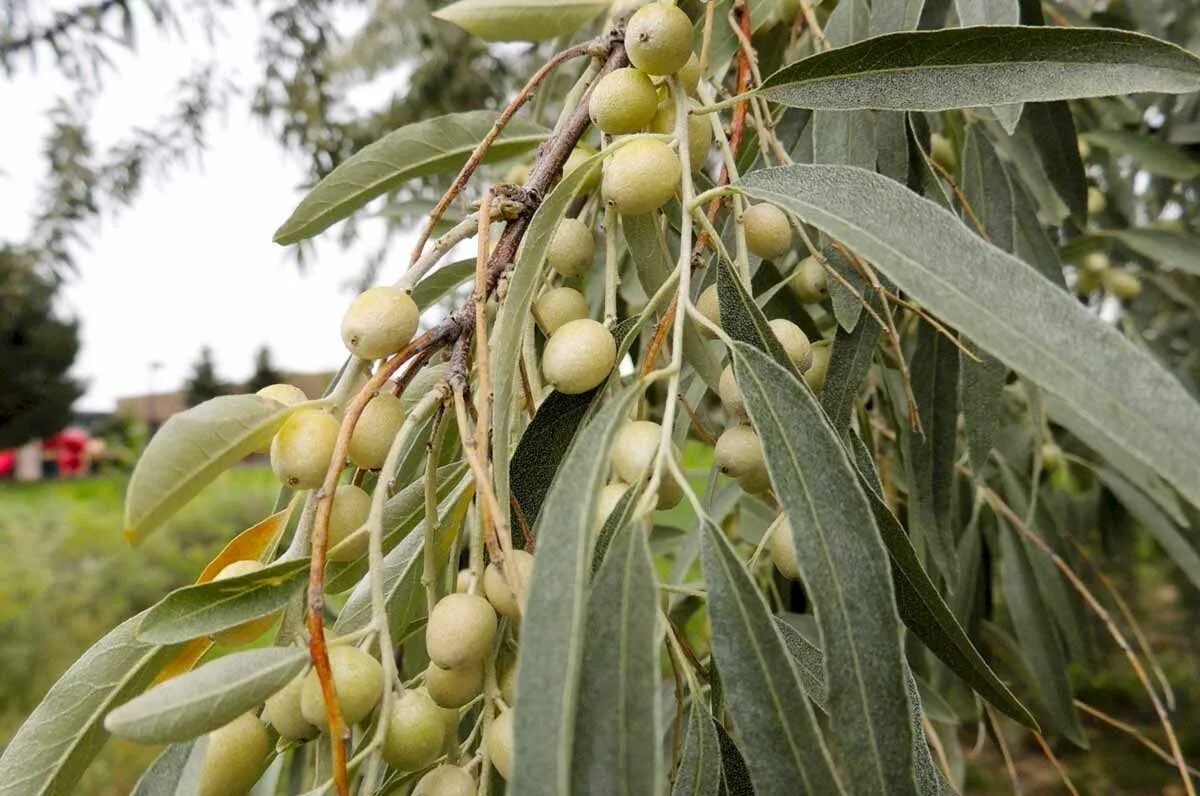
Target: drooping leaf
(849, 360)
(64, 733)
(778, 727)
(552, 643)
(742, 320)
(190, 450)
(735, 775)
(617, 725)
(1003, 306)
(1156, 522)
(207, 608)
(1174, 250)
(1051, 129)
(210, 697)
(439, 283)
(839, 136)
(543, 444)
(809, 663)
(521, 20)
(699, 772)
(428, 147)
(1033, 244)
(993, 12)
(1148, 152)
(990, 65)
(176, 772)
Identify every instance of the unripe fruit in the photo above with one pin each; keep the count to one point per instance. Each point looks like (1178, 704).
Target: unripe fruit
(302, 447)
(943, 153)
(794, 342)
(415, 732)
(1096, 262)
(738, 452)
(579, 155)
(606, 502)
(708, 304)
(381, 418)
(808, 281)
(768, 231)
(247, 631)
(1085, 150)
(496, 588)
(286, 394)
(453, 688)
(633, 454)
(699, 131)
(446, 780)
(558, 306)
(731, 394)
(756, 482)
(1052, 457)
(641, 177)
(783, 551)
(623, 101)
(815, 375)
(658, 39)
(357, 680)
(1097, 202)
(579, 356)
(572, 248)
(379, 322)
(283, 711)
(500, 743)
(1122, 284)
(234, 757)
(506, 676)
(461, 630)
(689, 74)
(351, 505)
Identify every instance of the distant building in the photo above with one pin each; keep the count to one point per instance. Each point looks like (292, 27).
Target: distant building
(154, 409)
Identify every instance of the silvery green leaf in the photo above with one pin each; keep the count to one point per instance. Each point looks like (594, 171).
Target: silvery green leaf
(1156, 522)
(895, 16)
(1147, 152)
(542, 446)
(176, 772)
(810, 665)
(993, 12)
(521, 20)
(849, 360)
(1051, 129)
(441, 282)
(735, 776)
(1174, 250)
(699, 772)
(741, 318)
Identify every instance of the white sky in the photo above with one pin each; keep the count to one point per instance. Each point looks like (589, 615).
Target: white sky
(191, 263)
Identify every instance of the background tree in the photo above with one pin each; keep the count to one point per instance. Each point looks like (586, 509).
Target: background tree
(203, 383)
(265, 373)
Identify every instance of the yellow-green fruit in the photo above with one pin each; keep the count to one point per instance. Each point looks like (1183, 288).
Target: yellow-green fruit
(579, 155)
(497, 590)
(302, 448)
(234, 757)
(606, 502)
(1052, 457)
(809, 282)
(794, 342)
(283, 711)
(351, 505)
(815, 375)
(379, 322)
(699, 131)
(286, 394)
(579, 356)
(689, 74)
(377, 426)
(738, 452)
(708, 304)
(461, 630)
(756, 482)
(1122, 284)
(768, 232)
(731, 394)
(658, 39)
(572, 248)
(1085, 149)
(453, 688)
(943, 152)
(247, 631)
(506, 676)
(1097, 202)
(357, 680)
(558, 306)
(783, 551)
(623, 101)
(415, 732)
(446, 780)
(633, 454)
(1096, 262)
(640, 177)
(500, 743)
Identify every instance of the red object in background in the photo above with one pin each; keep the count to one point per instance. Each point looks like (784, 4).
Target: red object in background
(8, 461)
(67, 447)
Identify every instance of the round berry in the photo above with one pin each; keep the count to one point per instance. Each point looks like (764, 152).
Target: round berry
(506, 675)
(633, 454)
(446, 780)
(302, 448)
(357, 680)
(557, 306)
(499, 739)
(756, 482)
(379, 322)
(286, 394)
(794, 342)
(572, 248)
(351, 505)
(606, 503)
(783, 550)
(461, 630)
(731, 394)
(709, 305)
(453, 688)
(247, 631)
(377, 426)
(415, 732)
(689, 74)
(641, 176)
(809, 282)
(658, 39)
(699, 131)
(579, 356)
(496, 588)
(283, 711)
(738, 452)
(768, 231)
(815, 375)
(1122, 284)
(579, 156)
(234, 757)
(943, 153)
(624, 101)
(1052, 457)
(1097, 202)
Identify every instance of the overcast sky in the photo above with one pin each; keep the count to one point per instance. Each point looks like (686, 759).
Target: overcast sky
(191, 263)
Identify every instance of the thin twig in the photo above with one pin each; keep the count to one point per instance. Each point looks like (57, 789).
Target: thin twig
(1131, 731)
(1062, 772)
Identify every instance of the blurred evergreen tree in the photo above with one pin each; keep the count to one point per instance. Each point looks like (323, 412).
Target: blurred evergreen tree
(265, 373)
(203, 383)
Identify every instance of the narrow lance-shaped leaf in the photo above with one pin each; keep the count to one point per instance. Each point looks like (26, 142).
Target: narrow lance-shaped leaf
(845, 568)
(1003, 306)
(991, 65)
(176, 772)
(1051, 130)
(699, 772)
(1147, 152)
(742, 320)
(521, 20)
(849, 360)
(1173, 250)
(993, 12)
(543, 444)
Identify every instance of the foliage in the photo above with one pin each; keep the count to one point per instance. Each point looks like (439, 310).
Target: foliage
(265, 374)
(203, 383)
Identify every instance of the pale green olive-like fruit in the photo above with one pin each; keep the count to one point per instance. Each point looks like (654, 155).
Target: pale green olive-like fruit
(234, 757)
(500, 743)
(377, 426)
(461, 630)
(446, 780)
(633, 453)
(302, 447)
(708, 304)
(247, 631)
(283, 711)
(689, 74)
(579, 155)
(699, 131)
(738, 452)
(943, 153)
(557, 306)
(794, 342)
(286, 394)
(731, 394)
(768, 231)
(606, 502)
(351, 505)
(658, 39)
(808, 281)
(506, 675)
(497, 590)
(815, 375)
(641, 176)
(783, 550)
(624, 101)
(572, 248)
(1052, 457)
(756, 482)
(1097, 202)
(453, 688)
(579, 356)
(462, 581)
(357, 680)
(1122, 284)
(380, 321)
(1096, 262)
(415, 731)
